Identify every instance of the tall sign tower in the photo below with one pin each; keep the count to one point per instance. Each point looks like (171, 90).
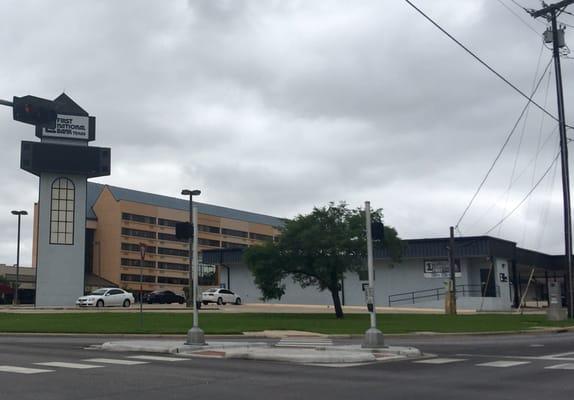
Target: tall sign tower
(63, 161)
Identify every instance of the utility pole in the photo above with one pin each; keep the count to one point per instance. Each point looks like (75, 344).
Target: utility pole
(451, 309)
(550, 12)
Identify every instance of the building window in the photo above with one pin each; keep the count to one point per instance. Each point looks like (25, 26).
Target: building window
(170, 237)
(172, 280)
(138, 233)
(136, 247)
(136, 278)
(138, 218)
(166, 222)
(233, 232)
(174, 266)
(259, 236)
(231, 245)
(172, 252)
(130, 262)
(208, 242)
(207, 275)
(62, 212)
(208, 228)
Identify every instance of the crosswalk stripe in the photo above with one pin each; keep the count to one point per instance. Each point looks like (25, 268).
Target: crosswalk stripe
(503, 364)
(439, 360)
(115, 361)
(68, 365)
(157, 358)
(561, 366)
(21, 370)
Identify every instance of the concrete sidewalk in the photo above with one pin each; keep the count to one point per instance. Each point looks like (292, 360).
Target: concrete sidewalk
(313, 354)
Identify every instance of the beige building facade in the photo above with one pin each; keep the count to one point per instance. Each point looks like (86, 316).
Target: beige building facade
(119, 220)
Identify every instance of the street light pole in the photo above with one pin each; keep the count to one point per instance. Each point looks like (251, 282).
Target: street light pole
(373, 336)
(19, 214)
(195, 335)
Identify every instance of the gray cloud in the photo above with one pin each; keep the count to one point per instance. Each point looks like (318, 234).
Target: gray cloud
(280, 106)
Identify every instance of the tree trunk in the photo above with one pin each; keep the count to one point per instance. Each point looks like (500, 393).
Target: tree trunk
(337, 302)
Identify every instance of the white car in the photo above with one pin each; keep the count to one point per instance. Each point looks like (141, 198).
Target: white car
(106, 297)
(220, 296)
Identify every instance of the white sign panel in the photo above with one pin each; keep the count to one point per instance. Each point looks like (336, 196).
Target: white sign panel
(440, 269)
(69, 127)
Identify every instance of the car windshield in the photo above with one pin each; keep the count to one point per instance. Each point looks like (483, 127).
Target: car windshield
(99, 292)
(211, 290)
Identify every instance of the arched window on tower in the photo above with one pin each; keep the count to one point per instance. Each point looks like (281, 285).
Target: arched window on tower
(62, 211)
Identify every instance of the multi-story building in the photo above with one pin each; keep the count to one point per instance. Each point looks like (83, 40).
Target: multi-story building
(119, 220)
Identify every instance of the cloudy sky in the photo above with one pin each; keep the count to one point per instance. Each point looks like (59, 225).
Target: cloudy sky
(279, 106)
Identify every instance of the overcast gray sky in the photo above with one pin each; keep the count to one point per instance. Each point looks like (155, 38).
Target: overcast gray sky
(278, 106)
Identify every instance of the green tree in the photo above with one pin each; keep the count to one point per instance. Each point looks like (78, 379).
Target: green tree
(317, 250)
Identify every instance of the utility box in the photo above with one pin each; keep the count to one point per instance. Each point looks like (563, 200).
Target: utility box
(555, 310)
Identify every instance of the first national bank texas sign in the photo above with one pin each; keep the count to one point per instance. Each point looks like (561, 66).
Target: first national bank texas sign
(70, 127)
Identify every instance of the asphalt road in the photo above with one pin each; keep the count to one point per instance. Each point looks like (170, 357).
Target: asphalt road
(469, 367)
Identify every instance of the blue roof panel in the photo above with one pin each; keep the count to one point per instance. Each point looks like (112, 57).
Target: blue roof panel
(94, 190)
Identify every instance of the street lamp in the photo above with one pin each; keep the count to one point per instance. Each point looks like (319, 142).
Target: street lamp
(195, 335)
(19, 214)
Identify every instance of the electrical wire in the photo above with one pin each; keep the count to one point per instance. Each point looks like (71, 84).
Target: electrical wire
(550, 135)
(503, 147)
(477, 58)
(519, 17)
(525, 197)
(523, 131)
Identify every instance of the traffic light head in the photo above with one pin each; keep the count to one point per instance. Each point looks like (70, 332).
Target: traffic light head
(378, 231)
(35, 111)
(183, 230)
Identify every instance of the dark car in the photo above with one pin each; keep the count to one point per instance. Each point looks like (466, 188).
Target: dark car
(164, 297)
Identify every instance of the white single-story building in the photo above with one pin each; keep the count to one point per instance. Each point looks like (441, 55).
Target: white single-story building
(491, 275)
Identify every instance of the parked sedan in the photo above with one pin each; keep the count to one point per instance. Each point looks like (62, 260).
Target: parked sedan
(220, 296)
(106, 297)
(164, 297)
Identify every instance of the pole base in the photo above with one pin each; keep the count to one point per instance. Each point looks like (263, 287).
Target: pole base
(195, 337)
(373, 339)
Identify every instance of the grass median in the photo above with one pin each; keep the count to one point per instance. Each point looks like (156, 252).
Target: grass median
(179, 323)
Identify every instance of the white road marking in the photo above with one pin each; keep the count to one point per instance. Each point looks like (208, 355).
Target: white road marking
(68, 365)
(115, 361)
(536, 345)
(304, 342)
(338, 365)
(561, 366)
(503, 364)
(157, 358)
(21, 370)
(439, 360)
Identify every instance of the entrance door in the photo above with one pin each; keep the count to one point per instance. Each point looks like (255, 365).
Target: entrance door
(487, 288)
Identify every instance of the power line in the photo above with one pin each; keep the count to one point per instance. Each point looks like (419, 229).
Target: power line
(477, 58)
(520, 5)
(503, 146)
(525, 197)
(518, 16)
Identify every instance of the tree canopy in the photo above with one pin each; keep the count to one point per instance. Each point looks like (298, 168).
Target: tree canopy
(317, 249)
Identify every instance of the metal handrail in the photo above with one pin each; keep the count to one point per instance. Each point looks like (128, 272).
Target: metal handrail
(465, 290)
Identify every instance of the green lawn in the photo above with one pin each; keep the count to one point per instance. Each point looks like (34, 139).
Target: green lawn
(179, 323)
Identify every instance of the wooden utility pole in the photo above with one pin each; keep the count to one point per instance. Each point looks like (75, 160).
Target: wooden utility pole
(550, 12)
(451, 308)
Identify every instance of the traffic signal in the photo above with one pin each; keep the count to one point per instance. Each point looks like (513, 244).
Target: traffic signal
(378, 231)
(34, 110)
(183, 230)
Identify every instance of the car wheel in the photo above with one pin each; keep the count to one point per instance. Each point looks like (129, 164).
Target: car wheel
(180, 301)
(126, 303)
(205, 303)
(100, 303)
(238, 301)
(220, 301)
